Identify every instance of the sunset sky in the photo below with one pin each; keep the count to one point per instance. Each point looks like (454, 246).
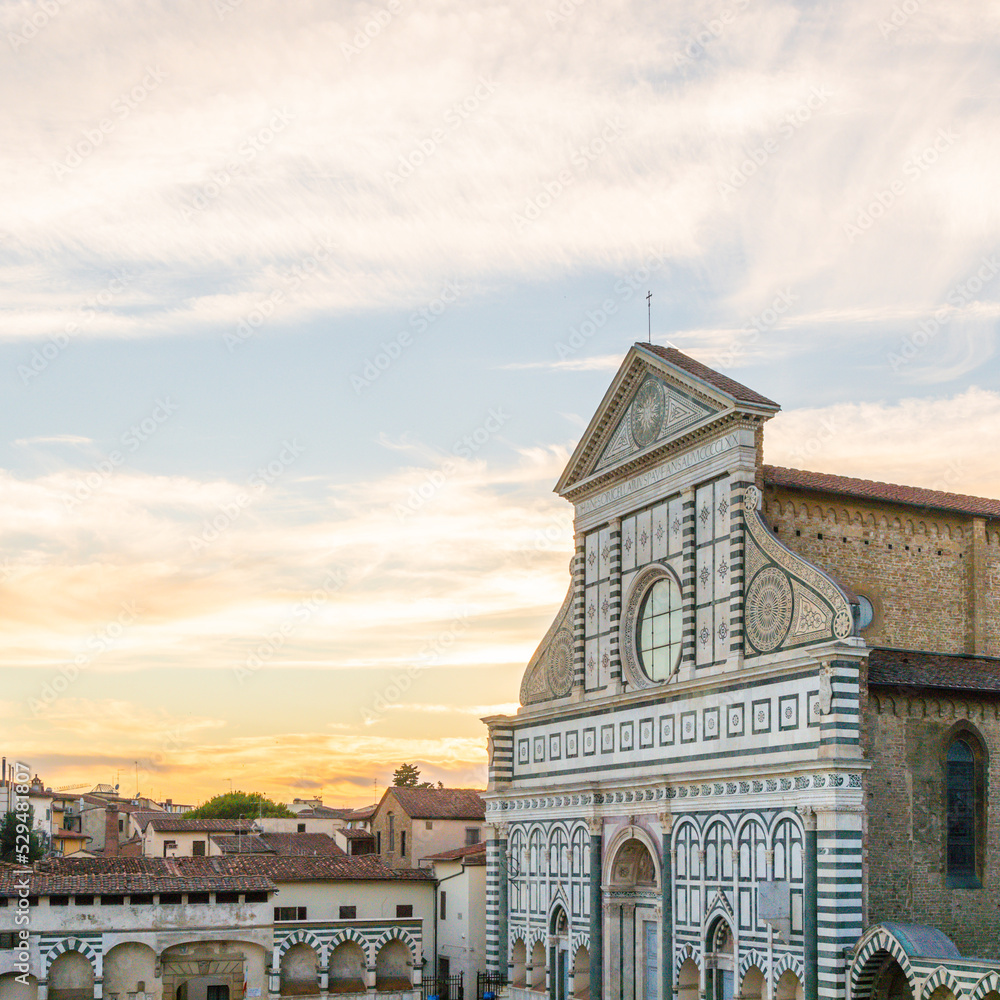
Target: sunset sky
(305, 306)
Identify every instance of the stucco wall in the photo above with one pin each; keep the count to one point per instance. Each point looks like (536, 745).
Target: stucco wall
(462, 932)
(374, 900)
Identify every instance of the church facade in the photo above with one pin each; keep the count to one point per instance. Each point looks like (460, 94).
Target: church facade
(682, 804)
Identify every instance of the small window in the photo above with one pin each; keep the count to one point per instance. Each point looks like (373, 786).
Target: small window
(289, 913)
(227, 897)
(392, 833)
(170, 898)
(197, 897)
(429, 824)
(301, 828)
(404, 909)
(348, 913)
(256, 897)
(198, 849)
(112, 900)
(121, 826)
(140, 900)
(378, 842)
(7, 940)
(471, 835)
(444, 905)
(865, 613)
(58, 900)
(83, 900)
(402, 843)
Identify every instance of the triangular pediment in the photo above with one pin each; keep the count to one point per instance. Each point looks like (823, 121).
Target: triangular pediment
(656, 412)
(658, 397)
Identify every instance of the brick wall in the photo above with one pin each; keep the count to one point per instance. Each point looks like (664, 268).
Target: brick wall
(933, 583)
(905, 734)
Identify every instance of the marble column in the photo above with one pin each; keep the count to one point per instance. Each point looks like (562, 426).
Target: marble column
(810, 927)
(596, 913)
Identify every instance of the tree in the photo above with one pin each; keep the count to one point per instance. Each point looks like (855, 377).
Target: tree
(10, 849)
(232, 805)
(407, 776)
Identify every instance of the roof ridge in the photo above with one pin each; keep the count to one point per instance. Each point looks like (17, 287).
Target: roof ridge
(692, 366)
(901, 493)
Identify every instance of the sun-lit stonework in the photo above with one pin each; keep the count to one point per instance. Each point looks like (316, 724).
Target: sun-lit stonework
(687, 814)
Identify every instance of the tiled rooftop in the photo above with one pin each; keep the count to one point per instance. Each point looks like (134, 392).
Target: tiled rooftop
(441, 803)
(730, 386)
(474, 854)
(868, 489)
(911, 668)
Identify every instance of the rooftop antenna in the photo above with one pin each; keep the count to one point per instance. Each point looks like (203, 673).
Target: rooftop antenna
(649, 316)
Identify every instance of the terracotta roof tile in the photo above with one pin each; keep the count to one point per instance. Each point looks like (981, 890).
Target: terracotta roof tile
(356, 834)
(729, 386)
(124, 876)
(250, 843)
(474, 854)
(302, 844)
(169, 823)
(913, 496)
(323, 868)
(325, 812)
(953, 672)
(440, 803)
(233, 873)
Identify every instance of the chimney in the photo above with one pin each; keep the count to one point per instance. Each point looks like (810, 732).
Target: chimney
(111, 831)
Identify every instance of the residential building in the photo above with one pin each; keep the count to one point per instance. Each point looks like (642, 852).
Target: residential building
(167, 836)
(215, 928)
(460, 921)
(754, 747)
(413, 823)
(281, 844)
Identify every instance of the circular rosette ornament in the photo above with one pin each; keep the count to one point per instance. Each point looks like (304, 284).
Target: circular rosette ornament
(768, 609)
